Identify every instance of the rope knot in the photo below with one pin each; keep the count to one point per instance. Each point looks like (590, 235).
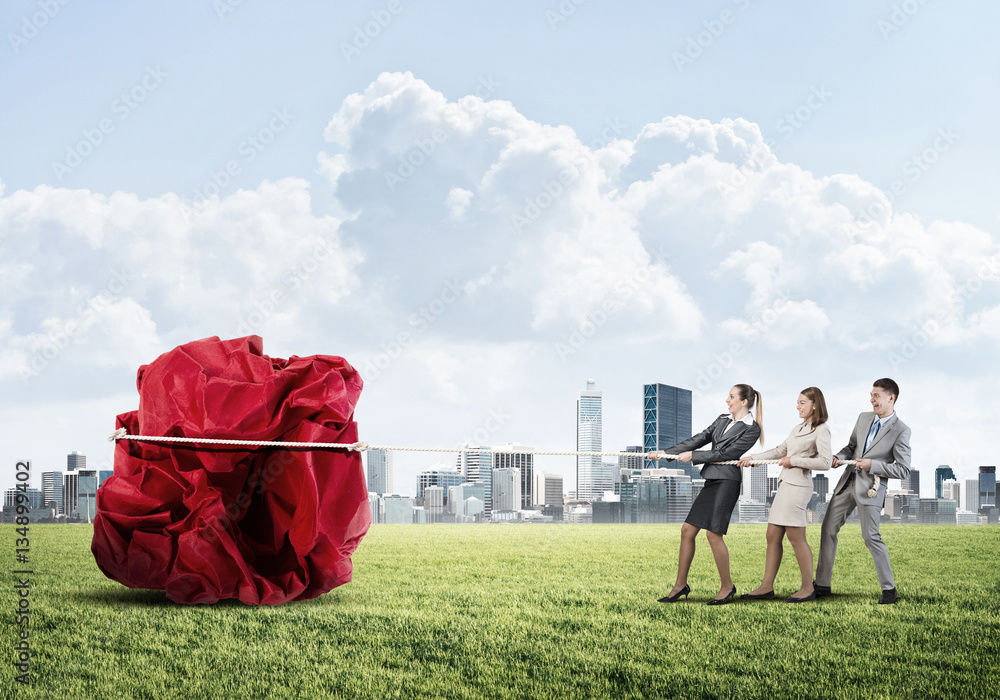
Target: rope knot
(359, 446)
(117, 435)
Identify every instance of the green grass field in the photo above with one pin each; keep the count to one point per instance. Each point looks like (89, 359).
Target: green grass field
(527, 611)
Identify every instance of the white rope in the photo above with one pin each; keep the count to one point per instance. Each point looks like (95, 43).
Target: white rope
(360, 446)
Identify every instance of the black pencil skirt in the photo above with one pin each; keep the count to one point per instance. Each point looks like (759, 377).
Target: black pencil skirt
(714, 506)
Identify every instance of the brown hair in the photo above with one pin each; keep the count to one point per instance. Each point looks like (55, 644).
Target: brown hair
(889, 385)
(819, 415)
(752, 397)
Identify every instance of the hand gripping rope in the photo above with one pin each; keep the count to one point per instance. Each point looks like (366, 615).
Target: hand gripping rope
(361, 446)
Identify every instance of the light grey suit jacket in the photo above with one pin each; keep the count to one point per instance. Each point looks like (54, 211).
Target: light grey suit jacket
(889, 453)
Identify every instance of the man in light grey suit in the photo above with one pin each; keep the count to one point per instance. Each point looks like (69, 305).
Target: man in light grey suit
(880, 443)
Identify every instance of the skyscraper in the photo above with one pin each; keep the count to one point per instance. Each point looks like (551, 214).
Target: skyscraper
(379, 471)
(506, 489)
(439, 474)
(821, 485)
(666, 420)
(942, 473)
(86, 495)
(70, 493)
(972, 495)
(52, 490)
(588, 439)
(987, 487)
(75, 461)
(912, 483)
(951, 490)
(755, 483)
(631, 462)
(478, 467)
(524, 461)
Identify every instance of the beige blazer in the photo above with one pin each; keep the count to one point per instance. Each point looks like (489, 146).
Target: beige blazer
(808, 447)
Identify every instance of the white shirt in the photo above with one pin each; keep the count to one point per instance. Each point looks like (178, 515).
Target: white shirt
(748, 419)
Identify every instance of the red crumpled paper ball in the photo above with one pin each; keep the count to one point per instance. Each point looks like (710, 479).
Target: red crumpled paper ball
(210, 522)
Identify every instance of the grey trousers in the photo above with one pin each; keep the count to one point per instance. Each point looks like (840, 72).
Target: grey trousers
(841, 506)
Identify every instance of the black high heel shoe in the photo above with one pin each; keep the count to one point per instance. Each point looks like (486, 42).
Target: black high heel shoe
(674, 598)
(762, 596)
(723, 601)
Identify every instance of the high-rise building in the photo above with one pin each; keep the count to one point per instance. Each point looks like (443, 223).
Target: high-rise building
(103, 476)
(506, 489)
(754, 487)
(52, 490)
(912, 483)
(936, 511)
(516, 455)
(35, 499)
(972, 495)
(821, 485)
(666, 420)
(434, 503)
(76, 461)
(70, 493)
(86, 500)
(987, 487)
(478, 466)
(951, 490)
(375, 503)
(942, 473)
(439, 474)
(631, 462)
(588, 439)
(378, 471)
(655, 496)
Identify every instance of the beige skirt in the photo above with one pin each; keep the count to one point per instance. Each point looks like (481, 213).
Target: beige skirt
(789, 507)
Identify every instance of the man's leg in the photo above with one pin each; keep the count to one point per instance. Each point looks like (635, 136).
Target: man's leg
(870, 517)
(841, 506)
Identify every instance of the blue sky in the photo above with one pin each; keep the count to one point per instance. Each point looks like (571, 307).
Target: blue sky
(714, 154)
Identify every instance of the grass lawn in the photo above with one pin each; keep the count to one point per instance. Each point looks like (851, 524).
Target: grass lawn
(519, 611)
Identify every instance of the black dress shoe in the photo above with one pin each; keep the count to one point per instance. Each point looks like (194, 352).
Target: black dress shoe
(888, 596)
(762, 596)
(674, 598)
(821, 591)
(811, 596)
(723, 601)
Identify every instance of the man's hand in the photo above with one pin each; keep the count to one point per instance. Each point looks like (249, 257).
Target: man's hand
(864, 464)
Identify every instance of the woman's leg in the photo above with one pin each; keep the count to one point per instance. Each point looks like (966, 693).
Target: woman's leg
(721, 554)
(804, 555)
(772, 559)
(685, 557)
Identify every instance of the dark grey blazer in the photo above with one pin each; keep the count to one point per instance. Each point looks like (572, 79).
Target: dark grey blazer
(731, 445)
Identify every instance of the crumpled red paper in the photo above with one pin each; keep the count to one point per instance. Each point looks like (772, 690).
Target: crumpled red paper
(206, 523)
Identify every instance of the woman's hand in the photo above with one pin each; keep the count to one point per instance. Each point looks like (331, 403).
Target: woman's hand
(684, 456)
(785, 462)
(656, 455)
(745, 462)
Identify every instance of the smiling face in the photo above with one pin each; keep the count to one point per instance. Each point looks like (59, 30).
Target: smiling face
(734, 402)
(805, 407)
(882, 401)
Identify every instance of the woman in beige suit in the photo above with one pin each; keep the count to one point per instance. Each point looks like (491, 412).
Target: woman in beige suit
(807, 448)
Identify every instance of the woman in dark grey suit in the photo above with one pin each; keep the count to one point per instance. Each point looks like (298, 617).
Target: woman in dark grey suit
(731, 435)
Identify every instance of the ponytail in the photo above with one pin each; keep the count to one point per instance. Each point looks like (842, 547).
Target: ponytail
(759, 415)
